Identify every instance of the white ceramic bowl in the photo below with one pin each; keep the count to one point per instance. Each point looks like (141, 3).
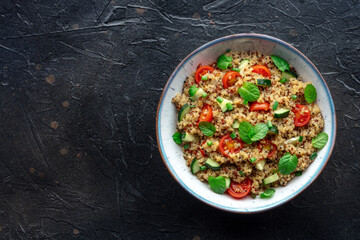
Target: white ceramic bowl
(167, 118)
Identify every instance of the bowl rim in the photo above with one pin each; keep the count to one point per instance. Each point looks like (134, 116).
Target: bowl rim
(302, 188)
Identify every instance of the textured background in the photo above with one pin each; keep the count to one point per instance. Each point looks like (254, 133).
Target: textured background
(79, 87)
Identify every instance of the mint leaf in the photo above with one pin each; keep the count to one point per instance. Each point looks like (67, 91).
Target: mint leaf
(249, 92)
(287, 164)
(207, 128)
(280, 63)
(258, 132)
(310, 93)
(177, 137)
(224, 62)
(267, 193)
(320, 140)
(217, 184)
(244, 129)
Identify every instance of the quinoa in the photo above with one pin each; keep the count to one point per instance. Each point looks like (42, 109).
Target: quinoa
(237, 166)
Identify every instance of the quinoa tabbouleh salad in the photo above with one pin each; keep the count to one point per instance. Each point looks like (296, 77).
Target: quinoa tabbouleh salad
(248, 123)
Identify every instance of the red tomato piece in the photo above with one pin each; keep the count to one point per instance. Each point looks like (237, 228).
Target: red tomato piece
(262, 70)
(206, 114)
(202, 71)
(227, 145)
(255, 106)
(202, 153)
(302, 115)
(268, 145)
(240, 190)
(230, 78)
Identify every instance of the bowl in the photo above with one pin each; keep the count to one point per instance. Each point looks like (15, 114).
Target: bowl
(166, 120)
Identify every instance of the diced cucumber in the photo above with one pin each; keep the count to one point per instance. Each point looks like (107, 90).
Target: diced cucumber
(199, 93)
(281, 113)
(185, 109)
(283, 80)
(288, 74)
(236, 124)
(243, 64)
(293, 140)
(212, 164)
(193, 89)
(187, 137)
(271, 179)
(260, 165)
(273, 130)
(263, 82)
(229, 106)
(194, 166)
(228, 181)
(225, 104)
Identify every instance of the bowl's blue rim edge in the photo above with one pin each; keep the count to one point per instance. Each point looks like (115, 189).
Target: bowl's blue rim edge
(245, 210)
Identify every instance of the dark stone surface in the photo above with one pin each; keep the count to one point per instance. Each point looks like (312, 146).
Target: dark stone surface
(80, 83)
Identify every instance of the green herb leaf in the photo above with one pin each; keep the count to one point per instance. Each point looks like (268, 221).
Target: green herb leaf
(224, 62)
(275, 105)
(209, 143)
(298, 173)
(233, 135)
(253, 159)
(287, 164)
(253, 195)
(217, 184)
(313, 156)
(186, 146)
(207, 128)
(241, 173)
(244, 129)
(249, 92)
(177, 137)
(320, 140)
(310, 93)
(280, 63)
(267, 193)
(193, 89)
(258, 132)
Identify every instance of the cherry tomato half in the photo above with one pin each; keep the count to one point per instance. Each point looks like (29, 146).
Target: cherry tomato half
(261, 69)
(230, 78)
(260, 106)
(206, 114)
(227, 145)
(269, 146)
(202, 71)
(302, 115)
(240, 190)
